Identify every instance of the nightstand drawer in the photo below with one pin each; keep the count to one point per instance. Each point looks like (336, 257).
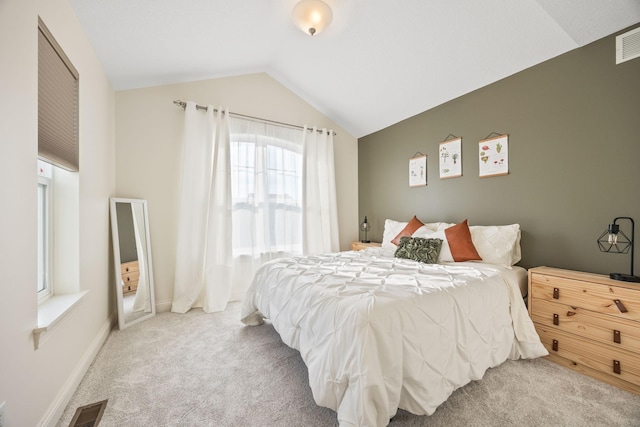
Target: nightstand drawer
(615, 362)
(134, 276)
(616, 301)
(128, 267)
(589, 323)
(608, 330)
(130, 287)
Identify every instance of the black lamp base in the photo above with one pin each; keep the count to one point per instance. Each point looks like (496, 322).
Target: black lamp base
(625, 277)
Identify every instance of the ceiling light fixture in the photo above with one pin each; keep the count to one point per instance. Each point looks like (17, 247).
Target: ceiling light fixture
(312, 16)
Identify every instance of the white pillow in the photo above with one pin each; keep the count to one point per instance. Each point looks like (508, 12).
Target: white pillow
(439, 226)
(445, 252)
(392, 228)
(497, 244)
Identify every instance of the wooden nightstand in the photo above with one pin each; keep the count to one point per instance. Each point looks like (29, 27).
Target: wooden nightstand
(589, 323)
(358, 246)
(130, 272)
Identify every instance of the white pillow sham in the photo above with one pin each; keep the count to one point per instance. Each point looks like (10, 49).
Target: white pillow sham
(445, 251)
(392, 228)
(496, 244)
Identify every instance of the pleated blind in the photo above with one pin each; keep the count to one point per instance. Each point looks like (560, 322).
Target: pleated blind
(57, 104)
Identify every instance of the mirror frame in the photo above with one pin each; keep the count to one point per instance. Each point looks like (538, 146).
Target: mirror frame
(115, 239)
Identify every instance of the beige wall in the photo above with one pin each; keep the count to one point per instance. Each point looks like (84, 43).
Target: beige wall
(574, 152)
(148, 151)
(36, 384)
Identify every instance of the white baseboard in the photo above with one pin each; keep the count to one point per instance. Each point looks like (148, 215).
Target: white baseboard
(163, 306)
(166, 305)
(58, 406)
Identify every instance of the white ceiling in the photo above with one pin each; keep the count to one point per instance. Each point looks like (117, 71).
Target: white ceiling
(379, 62)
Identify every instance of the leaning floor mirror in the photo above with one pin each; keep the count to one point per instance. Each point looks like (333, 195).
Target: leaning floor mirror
(132, 259)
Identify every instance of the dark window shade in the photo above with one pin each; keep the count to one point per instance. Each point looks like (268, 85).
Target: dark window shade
(57, 104)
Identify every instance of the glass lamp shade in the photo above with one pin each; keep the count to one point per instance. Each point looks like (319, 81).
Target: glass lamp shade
(614, 240)
(366, 227)
(617, 242)
(312, 16)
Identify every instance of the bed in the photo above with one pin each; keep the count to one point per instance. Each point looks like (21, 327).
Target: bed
(378, 332)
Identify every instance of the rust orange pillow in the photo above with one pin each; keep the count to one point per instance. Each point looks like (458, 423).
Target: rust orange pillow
(408, 230)
(460, 243)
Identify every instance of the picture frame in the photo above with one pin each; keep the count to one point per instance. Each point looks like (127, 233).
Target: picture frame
(493, 156)
(418, 171)
(450, 158)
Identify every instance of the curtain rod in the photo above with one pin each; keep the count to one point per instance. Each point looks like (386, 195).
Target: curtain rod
(257, 119)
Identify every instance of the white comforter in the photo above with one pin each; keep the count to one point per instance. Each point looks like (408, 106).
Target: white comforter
(379, 333)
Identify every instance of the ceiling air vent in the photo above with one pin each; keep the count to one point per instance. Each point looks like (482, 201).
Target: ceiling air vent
(628, 46)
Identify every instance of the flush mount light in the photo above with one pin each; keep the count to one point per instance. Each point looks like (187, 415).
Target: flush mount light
(312, 16)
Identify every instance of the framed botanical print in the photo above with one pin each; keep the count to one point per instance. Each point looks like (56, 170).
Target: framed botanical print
(450, 158)
(493, 156)
(418, 171)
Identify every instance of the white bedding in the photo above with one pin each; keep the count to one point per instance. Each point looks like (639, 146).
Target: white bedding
(379, 333)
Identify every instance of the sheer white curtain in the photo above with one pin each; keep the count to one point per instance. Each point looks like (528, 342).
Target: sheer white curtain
(320, 213)
(203, 253)
(267, 196)
(141, 301)
(251, 192)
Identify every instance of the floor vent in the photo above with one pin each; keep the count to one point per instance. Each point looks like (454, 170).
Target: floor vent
(628, 46)
(89, 415)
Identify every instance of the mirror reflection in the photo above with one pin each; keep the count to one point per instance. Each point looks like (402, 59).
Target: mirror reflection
(132, 257)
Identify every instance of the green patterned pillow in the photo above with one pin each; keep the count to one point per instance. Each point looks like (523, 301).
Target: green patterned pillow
(419, 249)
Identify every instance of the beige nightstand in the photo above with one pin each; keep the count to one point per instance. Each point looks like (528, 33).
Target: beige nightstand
(589, 323)
(130, 272)
(358, 246)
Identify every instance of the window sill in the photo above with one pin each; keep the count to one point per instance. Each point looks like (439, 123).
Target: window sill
(52, 311)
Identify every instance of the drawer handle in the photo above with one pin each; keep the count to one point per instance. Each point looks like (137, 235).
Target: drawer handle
(556, 293)
(616, 336)
(616, 366)
(555, 345)
(621, 306)
(556, 319)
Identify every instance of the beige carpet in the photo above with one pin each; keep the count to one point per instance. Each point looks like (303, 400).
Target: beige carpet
(202, 369)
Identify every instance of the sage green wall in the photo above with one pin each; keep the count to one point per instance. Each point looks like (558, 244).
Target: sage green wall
(574, 159)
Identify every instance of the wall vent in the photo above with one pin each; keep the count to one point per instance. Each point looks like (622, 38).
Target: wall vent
(628, 46)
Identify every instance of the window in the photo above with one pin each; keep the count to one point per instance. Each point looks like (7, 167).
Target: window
(58, 196)
(45, 238)
(58, 262)
(266, 188)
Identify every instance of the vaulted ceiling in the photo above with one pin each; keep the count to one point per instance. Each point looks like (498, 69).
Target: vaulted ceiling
(379, 61)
